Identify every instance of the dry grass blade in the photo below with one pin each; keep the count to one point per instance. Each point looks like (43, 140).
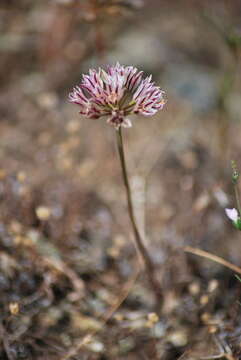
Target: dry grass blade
(212, 257)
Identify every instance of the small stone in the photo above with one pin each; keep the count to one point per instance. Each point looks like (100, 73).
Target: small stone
(212, 285)
(202, 202)
(194, 288)
(119, 241)
(113, 252)
(204, 299)
(2, 174)
(14, 308)
(126, 345)
(15, 227)
(33, 235)
(178, 338)
(160, 330)
(212, 329)
(21, 176)
(85, 323)
(205, 317)
(135, 324)
(22, 240)
(171, 302)
(47, 100)
(153, 317)
(118, 317)
(43, 212)
(95, 346)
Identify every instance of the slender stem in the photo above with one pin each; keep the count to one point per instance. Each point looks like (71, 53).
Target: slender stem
(236, 191)
(235, 181)
(138, 240)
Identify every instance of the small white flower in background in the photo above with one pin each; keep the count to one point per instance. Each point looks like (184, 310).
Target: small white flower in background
(233, 215)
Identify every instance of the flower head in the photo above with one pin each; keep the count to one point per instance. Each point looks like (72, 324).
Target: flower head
(116, 93)
(233, 215)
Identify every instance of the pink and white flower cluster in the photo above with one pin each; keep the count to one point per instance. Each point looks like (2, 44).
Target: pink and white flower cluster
(116, 93)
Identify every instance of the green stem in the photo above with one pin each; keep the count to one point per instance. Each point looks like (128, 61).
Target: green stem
(235, 181)
(138, 240)
(236, 191)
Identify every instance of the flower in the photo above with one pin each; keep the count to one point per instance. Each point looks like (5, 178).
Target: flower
(233, 215)
(116, 93)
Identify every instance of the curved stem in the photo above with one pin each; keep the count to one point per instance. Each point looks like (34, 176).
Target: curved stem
(138, 240)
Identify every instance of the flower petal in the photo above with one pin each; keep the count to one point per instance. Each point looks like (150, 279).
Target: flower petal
(232, 214)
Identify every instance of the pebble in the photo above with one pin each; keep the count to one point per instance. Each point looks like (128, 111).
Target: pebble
(178, 338)
(96, 346)
(43, 212)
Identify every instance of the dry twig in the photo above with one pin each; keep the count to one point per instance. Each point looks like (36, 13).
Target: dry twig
(212, 257)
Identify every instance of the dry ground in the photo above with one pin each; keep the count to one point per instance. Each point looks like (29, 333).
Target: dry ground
(67, 258)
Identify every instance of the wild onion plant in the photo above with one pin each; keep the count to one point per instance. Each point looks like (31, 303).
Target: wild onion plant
(235, 214)
(117, 93)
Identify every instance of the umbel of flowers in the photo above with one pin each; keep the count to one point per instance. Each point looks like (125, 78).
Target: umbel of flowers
(117, 93)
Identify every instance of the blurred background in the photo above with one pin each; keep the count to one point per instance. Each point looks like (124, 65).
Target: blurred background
(65, 238)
